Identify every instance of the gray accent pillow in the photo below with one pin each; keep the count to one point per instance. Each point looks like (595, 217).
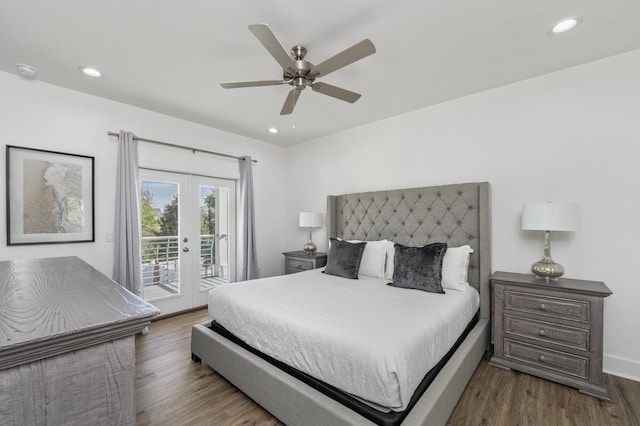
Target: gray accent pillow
(419, 268)
(344, 258)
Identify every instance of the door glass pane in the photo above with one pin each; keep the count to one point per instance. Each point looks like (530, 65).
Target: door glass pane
(214, 236)
(159, 205)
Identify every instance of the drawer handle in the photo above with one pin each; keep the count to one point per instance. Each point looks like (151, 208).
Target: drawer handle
(541, 358)
(542, 332)
(543, 307)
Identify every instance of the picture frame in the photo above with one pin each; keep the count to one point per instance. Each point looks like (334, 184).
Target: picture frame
(50, 197)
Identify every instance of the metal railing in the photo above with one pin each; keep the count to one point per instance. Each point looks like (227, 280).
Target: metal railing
(207, 254)
(161, 256)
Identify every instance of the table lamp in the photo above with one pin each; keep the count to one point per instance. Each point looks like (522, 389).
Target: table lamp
(549, 217)
(310, 220)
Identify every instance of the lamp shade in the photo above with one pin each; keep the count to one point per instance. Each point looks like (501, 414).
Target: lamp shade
(550, 217)
(310, 220)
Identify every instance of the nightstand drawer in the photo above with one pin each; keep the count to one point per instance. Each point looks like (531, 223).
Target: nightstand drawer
(547, 360)
(547, 332)
(298, 265)
(556, 307)
(298, 261)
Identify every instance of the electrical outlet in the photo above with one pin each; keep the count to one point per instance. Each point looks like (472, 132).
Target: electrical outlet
(109, 237)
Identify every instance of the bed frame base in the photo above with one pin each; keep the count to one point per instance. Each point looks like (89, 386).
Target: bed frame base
(296, 403)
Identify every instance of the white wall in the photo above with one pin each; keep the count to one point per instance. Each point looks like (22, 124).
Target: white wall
(571, 136)
(40, 115)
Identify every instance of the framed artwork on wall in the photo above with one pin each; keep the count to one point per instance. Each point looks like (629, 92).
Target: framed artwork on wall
(50, 197)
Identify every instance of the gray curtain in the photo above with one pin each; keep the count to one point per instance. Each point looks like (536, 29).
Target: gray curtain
(126, 266)
(247, 261)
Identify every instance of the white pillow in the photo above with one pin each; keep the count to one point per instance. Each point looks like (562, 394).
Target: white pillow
(391, 251)
(372, 262)
(455, 268)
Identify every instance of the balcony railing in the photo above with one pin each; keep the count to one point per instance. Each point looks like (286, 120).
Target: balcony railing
(161, 256)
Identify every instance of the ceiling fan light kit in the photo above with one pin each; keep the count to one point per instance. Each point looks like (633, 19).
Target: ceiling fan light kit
(299, 73)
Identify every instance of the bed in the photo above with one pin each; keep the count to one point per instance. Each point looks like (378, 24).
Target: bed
(453, 214)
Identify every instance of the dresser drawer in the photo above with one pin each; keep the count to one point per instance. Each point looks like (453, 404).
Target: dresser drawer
(548, 360)
(556, 307)
(575, 338)
(298, 265)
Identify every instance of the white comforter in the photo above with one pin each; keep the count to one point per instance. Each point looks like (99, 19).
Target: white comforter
(362, 336)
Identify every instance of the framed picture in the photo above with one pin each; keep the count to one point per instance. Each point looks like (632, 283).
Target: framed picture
(49, 197)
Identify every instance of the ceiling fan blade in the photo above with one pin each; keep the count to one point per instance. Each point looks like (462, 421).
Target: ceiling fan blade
(344, 58)
(253, 83)
(336, 92)
(290, 102)
(265, 36)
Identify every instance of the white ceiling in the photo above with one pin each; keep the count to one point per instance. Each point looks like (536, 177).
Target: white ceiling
(170, 56)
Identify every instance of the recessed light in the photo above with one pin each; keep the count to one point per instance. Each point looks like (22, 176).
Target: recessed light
(273, 130)
(91, 72)
(26, 70)
(566, 24)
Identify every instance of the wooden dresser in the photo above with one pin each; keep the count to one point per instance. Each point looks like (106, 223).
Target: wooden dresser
(67, 344)
(550, 329)
(296, 261)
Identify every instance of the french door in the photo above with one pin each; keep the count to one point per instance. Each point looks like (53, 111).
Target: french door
(188, 237)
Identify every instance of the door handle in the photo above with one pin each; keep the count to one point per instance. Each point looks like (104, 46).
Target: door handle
(186, 249)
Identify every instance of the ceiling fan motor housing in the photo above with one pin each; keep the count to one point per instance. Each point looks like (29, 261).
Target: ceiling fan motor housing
(298, 74)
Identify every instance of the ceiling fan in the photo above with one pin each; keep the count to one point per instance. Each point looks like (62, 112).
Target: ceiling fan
(300, 73)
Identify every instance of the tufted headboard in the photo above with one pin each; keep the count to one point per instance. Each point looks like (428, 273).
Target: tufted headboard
(457, 214)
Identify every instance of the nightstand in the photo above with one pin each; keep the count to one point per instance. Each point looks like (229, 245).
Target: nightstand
(550, 329)
(296, 261)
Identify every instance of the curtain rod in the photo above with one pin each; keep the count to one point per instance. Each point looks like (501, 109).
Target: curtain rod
(181, 146)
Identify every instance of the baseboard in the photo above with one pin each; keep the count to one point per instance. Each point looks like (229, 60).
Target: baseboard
(621, 367)
(173, 314)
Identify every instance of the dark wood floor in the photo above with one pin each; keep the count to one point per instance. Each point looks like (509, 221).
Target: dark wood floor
(173, 390)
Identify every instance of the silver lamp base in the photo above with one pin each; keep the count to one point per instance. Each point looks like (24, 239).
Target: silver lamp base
(310, 247)
(548, 269)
